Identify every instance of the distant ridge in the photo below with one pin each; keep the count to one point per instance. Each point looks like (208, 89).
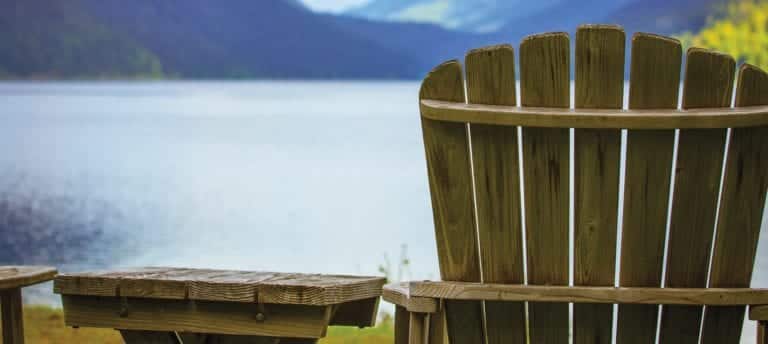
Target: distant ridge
(281, 39)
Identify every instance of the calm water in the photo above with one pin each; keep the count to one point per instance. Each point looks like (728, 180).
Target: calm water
(289, 176)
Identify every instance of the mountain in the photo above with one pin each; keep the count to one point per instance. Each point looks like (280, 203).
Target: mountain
(665, 16)
(194, 39)
(516, 18)
(283, 39)
(479, 15)
(44, 38)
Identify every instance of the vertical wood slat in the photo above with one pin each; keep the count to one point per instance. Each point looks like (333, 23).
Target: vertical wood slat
(12, 316)
(437, 330)
(708, 83)
(417, 332)
(450, 182)
(491, 80)
(654, 84)
(741, 210)
(599, 84)
(402, 325)
(762, 332)
(545, 82)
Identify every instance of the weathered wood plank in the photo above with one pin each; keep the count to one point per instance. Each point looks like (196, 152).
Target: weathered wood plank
(708, 83)
(361, 313)
(417, 331)
(450, 182)
(12, 316)
(547, 117)
(437, 330)
(222, 285)
(196, 316)
(741, 210)
(545, 82)
(148, 337)
(402, 325)
(398, 295)
(654, 84)
(22, 276)
(491, 80)
(590, 294)
(599, 84)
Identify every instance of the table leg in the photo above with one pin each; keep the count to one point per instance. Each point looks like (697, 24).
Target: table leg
(762, 332)
(149, 337)
(202, 338)
(13, 323)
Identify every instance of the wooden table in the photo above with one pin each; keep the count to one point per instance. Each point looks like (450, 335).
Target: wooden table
(173, 305)
(12, 279)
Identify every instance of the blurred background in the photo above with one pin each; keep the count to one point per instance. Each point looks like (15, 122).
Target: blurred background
(259, 134)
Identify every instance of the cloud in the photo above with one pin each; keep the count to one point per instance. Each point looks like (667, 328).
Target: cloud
(333, 5)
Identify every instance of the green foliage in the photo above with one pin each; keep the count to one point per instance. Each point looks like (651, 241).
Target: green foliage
(52, 39)
(742, 32)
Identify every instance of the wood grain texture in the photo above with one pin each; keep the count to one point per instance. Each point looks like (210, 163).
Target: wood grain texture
(654, 84)
(545, 82)
(708, 83)
(762, 332)
(402, 325)
(398, 294)
(360, 313)
(450, 182)
(491, 80)
(12, 277)
(196, 316)
(589, 294)
(599, 84)
(758, 312)
(417, 332)
(148, 337)
(12, 316)
(437, 328)
(221, 285)
(543, 117)
(741, 210)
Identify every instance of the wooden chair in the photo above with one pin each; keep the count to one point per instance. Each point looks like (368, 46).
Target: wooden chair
(500, 180)
(12, 279)
(172, 306)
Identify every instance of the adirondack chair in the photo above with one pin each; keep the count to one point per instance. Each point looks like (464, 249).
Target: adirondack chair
(500, 180)
(12, 279)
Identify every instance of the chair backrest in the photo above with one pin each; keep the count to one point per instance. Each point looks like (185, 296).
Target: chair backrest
(503, 181)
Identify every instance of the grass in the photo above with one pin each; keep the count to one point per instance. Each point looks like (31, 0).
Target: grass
(44, 325)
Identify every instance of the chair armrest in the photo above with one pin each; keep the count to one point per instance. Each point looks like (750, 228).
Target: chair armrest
(758, 312)
(398, 294)
(581, 294)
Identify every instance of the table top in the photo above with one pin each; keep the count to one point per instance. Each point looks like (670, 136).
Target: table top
(22, 276)
(221, 285)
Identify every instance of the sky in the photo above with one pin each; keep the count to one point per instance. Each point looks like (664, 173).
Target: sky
(332, 5)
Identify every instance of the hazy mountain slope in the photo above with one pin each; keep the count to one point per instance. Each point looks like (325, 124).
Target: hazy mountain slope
(56, 38)
(486, 15)
(666, 16)
(466, 15)
(272, 39)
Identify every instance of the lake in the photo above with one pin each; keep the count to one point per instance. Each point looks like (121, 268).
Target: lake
(324, 177)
